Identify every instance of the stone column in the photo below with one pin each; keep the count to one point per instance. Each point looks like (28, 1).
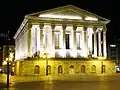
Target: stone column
(63, 48)
(74, 53)
(74, 36)
(41, 39)
(99, 43)
(95, 42)
(29, 39)
(104, 43)
(85, 42)
(64, 28)
(53, 40)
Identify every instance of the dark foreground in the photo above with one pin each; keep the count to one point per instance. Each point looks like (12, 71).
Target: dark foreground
(64, 85)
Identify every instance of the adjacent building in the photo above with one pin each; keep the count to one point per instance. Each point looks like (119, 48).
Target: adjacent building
(112, 51)
(63, 40)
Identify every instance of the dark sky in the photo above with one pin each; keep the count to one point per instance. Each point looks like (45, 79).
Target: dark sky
(12, 12)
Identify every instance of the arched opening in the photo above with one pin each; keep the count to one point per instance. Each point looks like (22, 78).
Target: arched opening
(93, 68)
(37, 70)
(83, 69)
(103, 69)
(49, 69)
(71, 69)
(60, 69)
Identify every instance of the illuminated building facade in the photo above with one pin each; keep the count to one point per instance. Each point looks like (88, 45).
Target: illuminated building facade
(71, 41)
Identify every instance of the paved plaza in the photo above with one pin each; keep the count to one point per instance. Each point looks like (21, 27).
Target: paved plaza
(78, 82)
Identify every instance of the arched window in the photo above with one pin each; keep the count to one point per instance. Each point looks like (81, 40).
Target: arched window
(60, 70)
(49, 69)
(83, 69)
(93, 68)
(36, 69)
(71, 69)
(72, 66)
(103, 69)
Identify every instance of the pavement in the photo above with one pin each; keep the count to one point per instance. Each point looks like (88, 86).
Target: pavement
(61, 82)
(18, 79)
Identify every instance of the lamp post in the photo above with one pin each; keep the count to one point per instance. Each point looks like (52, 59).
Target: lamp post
(8, 38)
(45, 56)
(7, 72)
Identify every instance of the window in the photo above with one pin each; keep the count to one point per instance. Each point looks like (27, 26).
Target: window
(82, 69)
(60, 70)
(103, 69)
(67, 41)
(57, 40)
(93, 68)
(36, 69)
(71, 69)
(49, 69)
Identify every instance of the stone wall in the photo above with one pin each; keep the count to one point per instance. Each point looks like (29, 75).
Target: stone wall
(27, 67)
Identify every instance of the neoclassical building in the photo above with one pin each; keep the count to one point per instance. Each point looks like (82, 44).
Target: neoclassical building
(63, 40)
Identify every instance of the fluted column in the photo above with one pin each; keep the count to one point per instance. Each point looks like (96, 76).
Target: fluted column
(104, 43)
(99, 44)
(85, 42)
(53, 40)
(95, 42)
(29, 39)
(41, 39)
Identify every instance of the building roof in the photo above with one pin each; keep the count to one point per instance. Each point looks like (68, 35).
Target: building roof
(68, 12)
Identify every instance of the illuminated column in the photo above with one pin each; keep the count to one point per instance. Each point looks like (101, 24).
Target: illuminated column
(104, 44)
(99, 43)
(63, 48)
(85, 42)
(95, 42)
(74, 53)
(74, 36)
(90, 32)
(29, 39)
(71, 37)
(41, 39)
(64, 28)
(53, 40)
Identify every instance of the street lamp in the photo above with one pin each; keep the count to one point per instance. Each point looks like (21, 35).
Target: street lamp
(8, 59)
(45, 56)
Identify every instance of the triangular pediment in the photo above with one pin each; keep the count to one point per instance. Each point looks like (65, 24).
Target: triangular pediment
(68, 12)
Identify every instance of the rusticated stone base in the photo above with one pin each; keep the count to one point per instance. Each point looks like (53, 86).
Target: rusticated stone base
(64, 66)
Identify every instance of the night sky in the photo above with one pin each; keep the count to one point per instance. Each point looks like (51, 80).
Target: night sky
(12, 12)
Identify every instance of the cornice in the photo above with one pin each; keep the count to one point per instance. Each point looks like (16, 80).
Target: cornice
(64, 20)
(21, 27)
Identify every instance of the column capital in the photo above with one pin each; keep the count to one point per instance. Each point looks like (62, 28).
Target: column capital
(85, 28)
(29, 25)
(52, 26)
(99, 31)
(104, 31)
(41, 26)
(64, 27)
(94, 29)
(74, 27)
